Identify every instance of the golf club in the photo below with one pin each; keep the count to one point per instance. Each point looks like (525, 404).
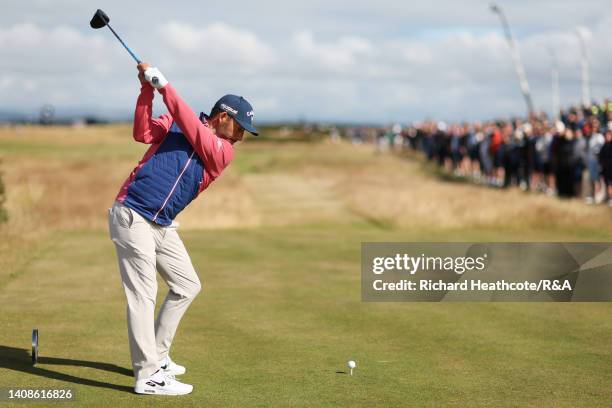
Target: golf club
(101, 19)
(34, 346)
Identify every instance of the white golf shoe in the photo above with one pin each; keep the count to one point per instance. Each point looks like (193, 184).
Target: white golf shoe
(170, 367)
(161, 383)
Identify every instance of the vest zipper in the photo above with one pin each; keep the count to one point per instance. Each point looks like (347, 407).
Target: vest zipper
(174, 186)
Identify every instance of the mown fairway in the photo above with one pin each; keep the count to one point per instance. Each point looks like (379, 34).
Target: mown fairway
(276, 241)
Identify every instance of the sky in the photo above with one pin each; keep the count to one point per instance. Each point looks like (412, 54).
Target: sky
(334, 60)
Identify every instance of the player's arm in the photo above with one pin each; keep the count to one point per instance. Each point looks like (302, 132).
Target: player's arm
(146, 128)
(216, 153)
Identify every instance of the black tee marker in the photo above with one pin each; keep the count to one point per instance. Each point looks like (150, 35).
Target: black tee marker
(34, 346)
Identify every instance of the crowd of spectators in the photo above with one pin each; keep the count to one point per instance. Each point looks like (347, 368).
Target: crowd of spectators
(570, 156)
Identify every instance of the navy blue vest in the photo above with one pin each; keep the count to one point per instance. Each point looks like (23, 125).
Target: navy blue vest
(168, 181)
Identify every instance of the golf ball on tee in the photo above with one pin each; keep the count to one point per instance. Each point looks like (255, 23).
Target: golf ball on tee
(351, 364)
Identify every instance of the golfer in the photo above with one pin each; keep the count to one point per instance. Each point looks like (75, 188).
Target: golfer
(187, 153)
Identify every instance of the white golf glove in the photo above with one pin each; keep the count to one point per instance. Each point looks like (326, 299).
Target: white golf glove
(155, 78)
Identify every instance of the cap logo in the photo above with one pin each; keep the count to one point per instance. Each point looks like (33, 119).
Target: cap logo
(228, 109)
(251, 114)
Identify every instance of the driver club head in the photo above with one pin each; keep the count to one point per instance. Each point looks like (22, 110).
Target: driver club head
(99, 19)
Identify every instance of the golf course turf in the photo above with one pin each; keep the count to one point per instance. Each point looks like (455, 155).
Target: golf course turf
(277, 242)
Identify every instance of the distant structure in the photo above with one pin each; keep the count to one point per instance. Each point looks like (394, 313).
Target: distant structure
(584, 63)
(554, 74)
(47, 114)
(516, 58)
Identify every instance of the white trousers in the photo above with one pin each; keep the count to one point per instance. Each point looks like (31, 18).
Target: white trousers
(142, 247)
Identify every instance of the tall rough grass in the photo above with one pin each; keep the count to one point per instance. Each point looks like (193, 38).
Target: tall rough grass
(61, 178)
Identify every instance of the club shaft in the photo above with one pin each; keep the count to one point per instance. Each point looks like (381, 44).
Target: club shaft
(124, 45)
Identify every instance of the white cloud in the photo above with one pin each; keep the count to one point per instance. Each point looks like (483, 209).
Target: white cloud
(29, 50)
(217, 46)
(344, 54)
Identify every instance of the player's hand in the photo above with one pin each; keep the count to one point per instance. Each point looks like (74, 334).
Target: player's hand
(141, 69)
(155, 77)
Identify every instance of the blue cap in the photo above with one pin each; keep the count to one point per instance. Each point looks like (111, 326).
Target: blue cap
(238, 108)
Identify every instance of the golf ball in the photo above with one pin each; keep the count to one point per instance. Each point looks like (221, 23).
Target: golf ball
(351, 364)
